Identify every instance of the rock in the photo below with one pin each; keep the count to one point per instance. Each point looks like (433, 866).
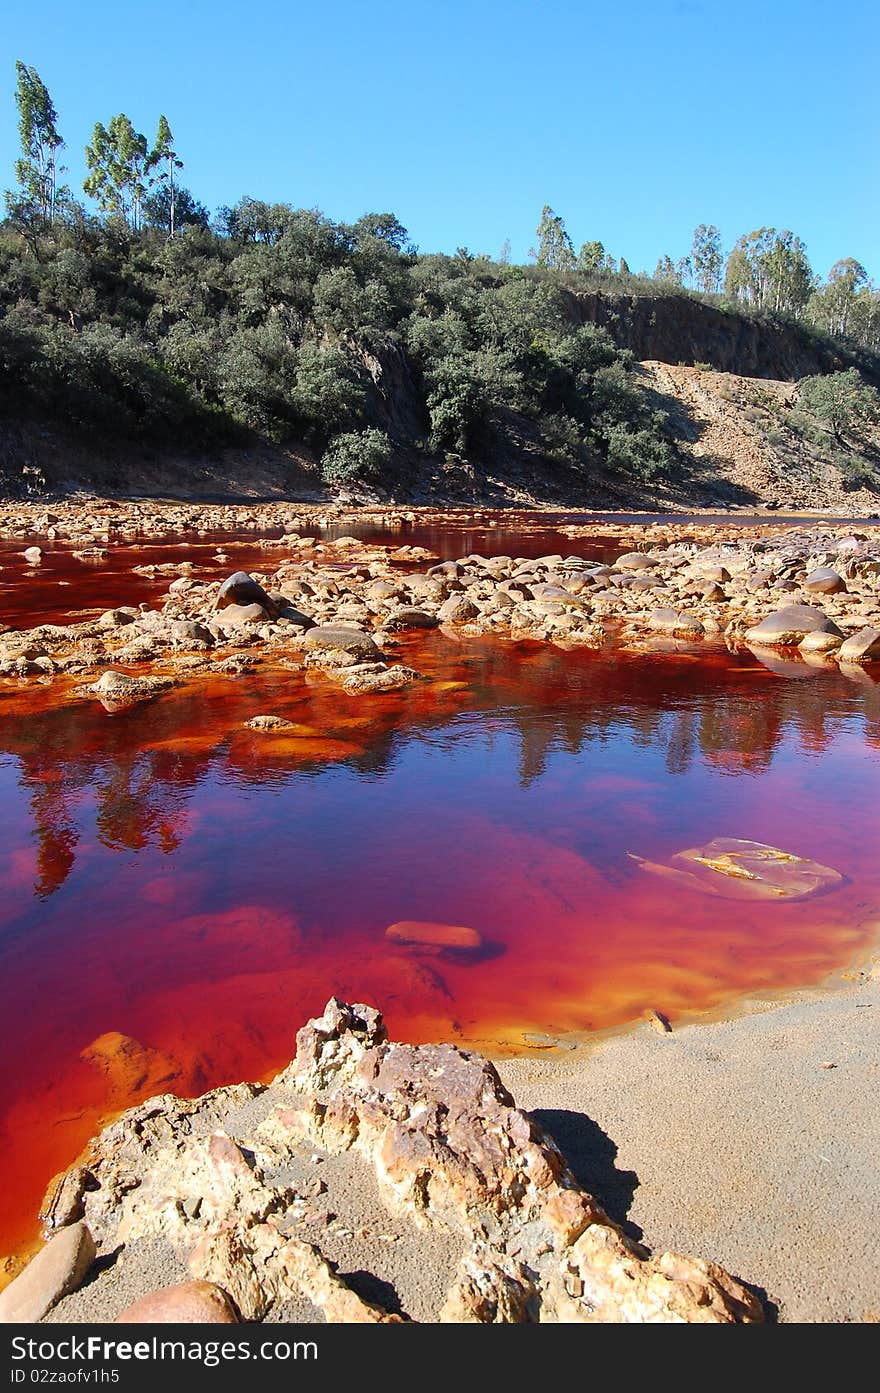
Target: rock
(427, 934)
(185, 634)
(863, 647)
(63, 1201)
(675, 622)
(235, 616)
(121, 689)
(788, 626)
(53, 1273)
(409, 618)
(434, 1128)
(825, 581)
(188, 1303)
(129, 1065)
(634, 561)
(340, 638)
(33, 555)
(242, 590)
(657, 1021)
(458, 609)
(390, 679)
(819, 642)
(116, 618)
(737, 869)
(269, 723)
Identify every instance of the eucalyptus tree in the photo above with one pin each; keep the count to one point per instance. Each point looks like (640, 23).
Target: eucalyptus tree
(37, 168)
(707, 259)
(164, 156)
(554, 250)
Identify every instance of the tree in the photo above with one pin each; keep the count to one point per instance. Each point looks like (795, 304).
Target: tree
(832, 307)
(37, 169)
(505, 253)
(666, 272)
(555, 250)
(120, 165)
(769, 270)
(707, 258)
(164, 154)
(841, 401)
(591, 257)
(188, 211)
(624, 268)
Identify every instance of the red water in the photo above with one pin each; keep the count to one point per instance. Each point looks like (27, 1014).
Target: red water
(204, 888)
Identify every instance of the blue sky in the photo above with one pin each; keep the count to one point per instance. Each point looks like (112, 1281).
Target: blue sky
(634, 121)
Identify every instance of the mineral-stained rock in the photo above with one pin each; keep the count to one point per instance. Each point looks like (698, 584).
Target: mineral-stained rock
(742, 870)
(634, 561)
(433, 935)
(863, 647)
(790, 625)
(449, 1150)
(390, 679)
(187, 1303)
(58, 1269)
(356, 644)
(129, 1065)
(269, 723)
(409, 618)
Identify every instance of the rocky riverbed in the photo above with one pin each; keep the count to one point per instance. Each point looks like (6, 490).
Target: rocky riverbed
(339, 607)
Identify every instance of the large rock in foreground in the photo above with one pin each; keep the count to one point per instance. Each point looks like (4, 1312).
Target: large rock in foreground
(435, 1129)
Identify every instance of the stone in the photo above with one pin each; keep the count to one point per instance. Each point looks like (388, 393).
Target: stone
(340, 638)
(121, 689)
(127, 1064)
(392, 679)
(825, 581)
(55, 1272)
(634, 561)
(457, 609)
(428, 934)
(788, 626)
(675, 622)
(269, 723)
(819, 642)
(862, 647)
(736, 869)
(242, 590)
(408, 617)
(33, 555)
(187, 1303)
(235, 616)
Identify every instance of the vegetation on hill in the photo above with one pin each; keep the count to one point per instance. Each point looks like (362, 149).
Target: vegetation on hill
(148, 320)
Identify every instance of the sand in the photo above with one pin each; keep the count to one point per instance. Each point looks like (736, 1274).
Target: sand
(731, 1140)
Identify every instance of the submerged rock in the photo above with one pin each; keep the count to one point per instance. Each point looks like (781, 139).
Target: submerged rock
(743, 870)
(428, 934)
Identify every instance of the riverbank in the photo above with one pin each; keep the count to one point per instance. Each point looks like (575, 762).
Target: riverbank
(749, 1140)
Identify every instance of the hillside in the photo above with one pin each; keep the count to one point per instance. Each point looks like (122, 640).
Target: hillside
(296, 356)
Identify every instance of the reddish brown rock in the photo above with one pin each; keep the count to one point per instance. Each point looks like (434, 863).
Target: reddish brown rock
(430, 935)
(188, 1303)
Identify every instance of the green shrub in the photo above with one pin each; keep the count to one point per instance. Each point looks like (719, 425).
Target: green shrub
(356, 457)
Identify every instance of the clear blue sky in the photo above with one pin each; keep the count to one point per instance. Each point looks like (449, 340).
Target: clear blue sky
(635, 121)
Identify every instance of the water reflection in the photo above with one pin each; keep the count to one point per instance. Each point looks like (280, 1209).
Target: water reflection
(203, 887)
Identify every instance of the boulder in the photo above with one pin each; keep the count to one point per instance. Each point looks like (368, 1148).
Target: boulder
(458, 609)
(52, 1274)
(33, 555)
(340, 638)
(634, 561)
(788, 626)
(188, 1303)
(236, 616)
(825, 581)
(863, 647)
(391, 679)
(242, 589)
(408, 617)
